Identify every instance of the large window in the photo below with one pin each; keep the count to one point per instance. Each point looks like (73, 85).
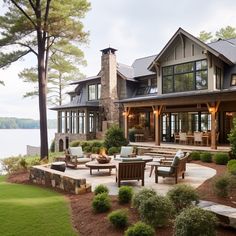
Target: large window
(94, 92)
(81, 124)
(218, 78)
(233, 80)
(184, 77)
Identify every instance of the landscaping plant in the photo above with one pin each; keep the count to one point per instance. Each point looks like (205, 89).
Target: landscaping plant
(115, 137)
(195, 156)
(221, 158)
(125, 194)
(195, 221)
(206, 157)
(232, 138)
(156, 211)
(221, 186)
(119, 218)
(231, 166)
(101, 203)
(140, 229)
(101, 188)
(113, 150)
(141, 196)
(183, 196)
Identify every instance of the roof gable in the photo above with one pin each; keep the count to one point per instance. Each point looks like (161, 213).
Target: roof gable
(181, 32)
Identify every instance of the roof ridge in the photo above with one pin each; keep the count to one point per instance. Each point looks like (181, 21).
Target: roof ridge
(146, 57)
(226, 40)
(124, 65)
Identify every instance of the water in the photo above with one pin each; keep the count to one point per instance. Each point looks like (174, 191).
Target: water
(13, 141)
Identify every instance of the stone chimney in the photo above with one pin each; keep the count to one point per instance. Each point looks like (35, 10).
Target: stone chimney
(109, 85)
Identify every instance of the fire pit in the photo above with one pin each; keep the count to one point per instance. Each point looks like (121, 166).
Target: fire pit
(102, 158)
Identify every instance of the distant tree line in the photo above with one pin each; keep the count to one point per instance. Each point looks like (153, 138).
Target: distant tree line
(22, 123)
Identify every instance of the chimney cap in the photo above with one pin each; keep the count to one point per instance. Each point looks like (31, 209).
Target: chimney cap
(108, 50)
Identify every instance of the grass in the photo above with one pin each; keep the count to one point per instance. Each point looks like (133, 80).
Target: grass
(30, 210)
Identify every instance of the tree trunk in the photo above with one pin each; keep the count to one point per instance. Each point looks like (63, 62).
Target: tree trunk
(42, 99)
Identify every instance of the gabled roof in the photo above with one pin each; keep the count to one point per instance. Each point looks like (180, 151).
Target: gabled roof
(125, 70)
(227, 47)
(86, 79)
(199, 42)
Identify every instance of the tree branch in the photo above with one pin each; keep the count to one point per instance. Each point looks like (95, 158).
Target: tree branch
(25, 14)
(32, 5)
(30, 48)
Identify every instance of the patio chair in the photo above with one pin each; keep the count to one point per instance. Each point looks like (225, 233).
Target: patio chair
(74, 156)
(125, 152)
(182, 138)
(130, 171)
(173, 169)
(198, 138)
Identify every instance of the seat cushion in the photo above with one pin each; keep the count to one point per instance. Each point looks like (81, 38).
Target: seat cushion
(76, 151)
(126, 159)
(164, 170)
(83, 160)
(126, 151)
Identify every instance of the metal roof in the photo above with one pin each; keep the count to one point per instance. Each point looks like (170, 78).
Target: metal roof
(226, 47)
(140, 66)
(86, 79)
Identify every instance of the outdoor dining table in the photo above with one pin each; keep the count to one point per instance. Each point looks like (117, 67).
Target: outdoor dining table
(204, 136)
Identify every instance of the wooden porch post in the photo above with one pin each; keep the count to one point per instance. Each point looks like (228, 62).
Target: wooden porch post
(126, 128)
(157, 114)
(213, 111)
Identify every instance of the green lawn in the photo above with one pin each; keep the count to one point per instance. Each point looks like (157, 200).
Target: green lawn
(30, 210)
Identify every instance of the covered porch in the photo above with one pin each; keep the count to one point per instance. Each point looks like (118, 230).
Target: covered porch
(199, 120)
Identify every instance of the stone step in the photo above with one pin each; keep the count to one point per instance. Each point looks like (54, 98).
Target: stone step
(225, 214)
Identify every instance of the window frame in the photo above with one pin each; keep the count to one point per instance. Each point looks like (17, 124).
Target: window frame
(233, 77)
(97, 94)
(173, 74)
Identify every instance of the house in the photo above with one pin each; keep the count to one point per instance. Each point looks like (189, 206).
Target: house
(189, 86)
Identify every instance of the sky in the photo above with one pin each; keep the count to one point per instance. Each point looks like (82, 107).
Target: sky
(136, 28)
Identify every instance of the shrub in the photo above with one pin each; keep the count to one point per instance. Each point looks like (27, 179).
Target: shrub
(97, 143)
(206, 157)
(125, 194)
(113, 150)
(101, 203)
(75, 143)
(142, 196)
(115, 137)
(140, 229)
(11, 164)
(95, 150)
(132, 134)
(23, 163)
(119, 218)
(87, 149)
(195, 156)
(232, 138)
(221, 186)
(231, 166)
(101, 189)
(183, 196)
(52, 146)
(156, 210)
(221, 158)
(195, 221)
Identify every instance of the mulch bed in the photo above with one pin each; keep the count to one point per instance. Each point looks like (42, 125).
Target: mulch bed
(86, 222)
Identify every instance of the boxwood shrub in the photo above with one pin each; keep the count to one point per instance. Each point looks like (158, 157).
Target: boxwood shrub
(195, 156)
(195, 221)
(119, 218)
(156, 211)
(101, 188)
(231, 166)
(101, 203)
(221, 186)
(206, 157)
(125, 194)
(113, 150)
(140, 229)
(221, 158)
(183, 196)
(142, 196)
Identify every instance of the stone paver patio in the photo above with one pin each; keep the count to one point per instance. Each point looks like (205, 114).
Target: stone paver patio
(195, 175)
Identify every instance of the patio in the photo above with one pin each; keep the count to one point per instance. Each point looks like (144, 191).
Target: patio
(195, 175)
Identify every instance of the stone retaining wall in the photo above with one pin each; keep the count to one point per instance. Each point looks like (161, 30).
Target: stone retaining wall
(52, 178)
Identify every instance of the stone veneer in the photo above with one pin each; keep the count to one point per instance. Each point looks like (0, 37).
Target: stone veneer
(56, 179)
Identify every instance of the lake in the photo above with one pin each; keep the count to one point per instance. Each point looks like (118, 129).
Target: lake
(13, 141)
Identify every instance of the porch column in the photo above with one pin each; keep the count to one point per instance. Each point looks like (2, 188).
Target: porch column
(213, 109)
(157, 115)
(86, 122)
(126, 129)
